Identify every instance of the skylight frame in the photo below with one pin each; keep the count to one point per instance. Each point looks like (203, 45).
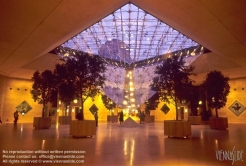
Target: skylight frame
(149, 39)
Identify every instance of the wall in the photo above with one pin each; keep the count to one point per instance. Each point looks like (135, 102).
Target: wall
(14, 92)
(102, 110)
(2, 94)
(161, 116)
(9, 99)
(237, 92)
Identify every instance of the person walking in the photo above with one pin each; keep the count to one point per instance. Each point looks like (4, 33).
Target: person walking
(16, 116)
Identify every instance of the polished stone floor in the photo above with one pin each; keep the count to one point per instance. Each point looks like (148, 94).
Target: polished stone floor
(145, 145)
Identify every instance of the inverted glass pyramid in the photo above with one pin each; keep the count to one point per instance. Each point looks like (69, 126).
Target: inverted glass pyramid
(128, 35)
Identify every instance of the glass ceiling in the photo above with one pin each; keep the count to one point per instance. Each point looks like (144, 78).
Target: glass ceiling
(129, 35)
(130, 40)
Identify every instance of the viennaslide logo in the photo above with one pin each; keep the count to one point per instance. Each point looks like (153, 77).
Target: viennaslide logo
(232, 155)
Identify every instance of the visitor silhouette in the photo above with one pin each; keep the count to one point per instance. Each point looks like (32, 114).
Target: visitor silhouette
(16, 116)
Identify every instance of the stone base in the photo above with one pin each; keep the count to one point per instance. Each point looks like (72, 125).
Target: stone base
(220, 123)
(42, 122)
(177, 128)
(64, 120)
(149, 118)
(82, 128)
(112, 118)
(195, 120)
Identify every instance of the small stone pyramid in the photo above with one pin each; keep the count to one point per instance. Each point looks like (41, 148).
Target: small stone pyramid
(129, 122)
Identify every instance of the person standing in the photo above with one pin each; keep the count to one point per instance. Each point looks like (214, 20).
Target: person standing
(16, 116)
(0, 119)
(79, 115)
(96, 118)
(121, 117)
(142, 117)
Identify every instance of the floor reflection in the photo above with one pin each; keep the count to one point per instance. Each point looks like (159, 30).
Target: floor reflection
(144, 145)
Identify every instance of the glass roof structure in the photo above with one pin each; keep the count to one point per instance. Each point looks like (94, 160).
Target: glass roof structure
(131, 41)
(128, 35)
